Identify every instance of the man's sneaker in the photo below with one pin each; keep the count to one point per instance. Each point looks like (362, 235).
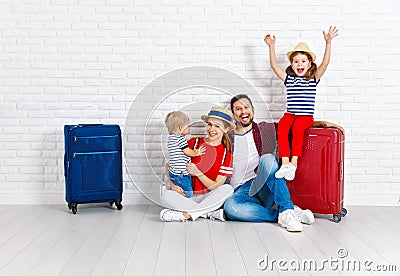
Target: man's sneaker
(291, 174)
(304, 216)
(285, 170)
(217, 214)
(288, 220)
(171, 215)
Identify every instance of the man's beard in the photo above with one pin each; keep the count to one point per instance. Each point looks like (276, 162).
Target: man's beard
(245, 125)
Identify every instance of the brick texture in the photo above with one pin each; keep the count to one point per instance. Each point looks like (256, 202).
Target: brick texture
(69, 61)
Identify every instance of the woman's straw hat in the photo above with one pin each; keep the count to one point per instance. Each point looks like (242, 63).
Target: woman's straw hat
(222, 114)
(301, 47)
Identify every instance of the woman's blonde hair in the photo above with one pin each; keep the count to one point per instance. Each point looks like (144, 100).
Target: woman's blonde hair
(174, 119)
(226, 142)
(225, 138)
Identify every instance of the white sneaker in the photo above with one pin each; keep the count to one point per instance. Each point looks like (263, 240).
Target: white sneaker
(288, 220)
(285, 170)
(172, 215)
(217, 214)
(304, 216)
(291, 174)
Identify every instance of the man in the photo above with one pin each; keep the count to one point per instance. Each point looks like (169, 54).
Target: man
(258, 195)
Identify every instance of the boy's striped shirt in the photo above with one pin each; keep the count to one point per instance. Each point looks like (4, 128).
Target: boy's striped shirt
(177, 159)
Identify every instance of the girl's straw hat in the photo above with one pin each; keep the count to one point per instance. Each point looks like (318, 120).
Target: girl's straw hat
(301, 47)
(222, 114)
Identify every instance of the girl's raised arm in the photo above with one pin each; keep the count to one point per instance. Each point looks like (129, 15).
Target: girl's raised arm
(332, 33)
(270, 41)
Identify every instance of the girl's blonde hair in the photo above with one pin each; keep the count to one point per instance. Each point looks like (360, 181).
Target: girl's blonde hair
(310, 74)
(175, 119)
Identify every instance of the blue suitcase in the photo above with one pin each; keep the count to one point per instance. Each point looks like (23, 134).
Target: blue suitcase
(93, 164)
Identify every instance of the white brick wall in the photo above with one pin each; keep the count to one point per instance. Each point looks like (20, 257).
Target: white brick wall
(70, 61)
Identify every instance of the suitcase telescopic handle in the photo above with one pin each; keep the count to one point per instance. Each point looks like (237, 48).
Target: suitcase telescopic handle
(84, 125)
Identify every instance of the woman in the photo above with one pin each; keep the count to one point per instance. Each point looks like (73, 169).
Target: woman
(209, 173)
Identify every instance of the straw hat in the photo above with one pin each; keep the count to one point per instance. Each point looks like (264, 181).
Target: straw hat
(222, 114)
(301, 47)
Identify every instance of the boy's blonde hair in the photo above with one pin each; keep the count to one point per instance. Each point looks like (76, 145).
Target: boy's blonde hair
(175, 119)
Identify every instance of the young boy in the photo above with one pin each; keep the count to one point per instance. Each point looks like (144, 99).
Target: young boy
(179, 152)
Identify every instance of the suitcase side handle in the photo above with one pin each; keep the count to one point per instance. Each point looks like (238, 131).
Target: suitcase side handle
(66, 165)
(341, 171)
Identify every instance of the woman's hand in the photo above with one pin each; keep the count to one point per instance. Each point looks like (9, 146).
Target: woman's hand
(332, 33)
(172, 186)
(269, 40)
(176, 188)
(193, 170)
(204, 179)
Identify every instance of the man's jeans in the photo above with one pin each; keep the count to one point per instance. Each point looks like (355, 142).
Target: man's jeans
(254, 200)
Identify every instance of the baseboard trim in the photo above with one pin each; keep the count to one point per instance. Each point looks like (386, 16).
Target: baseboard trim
(136, 198)
(372, 199)
(35, 198)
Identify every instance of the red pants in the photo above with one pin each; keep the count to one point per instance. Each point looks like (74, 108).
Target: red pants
(298, 124)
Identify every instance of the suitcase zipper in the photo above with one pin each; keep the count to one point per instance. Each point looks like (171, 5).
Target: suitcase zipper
(93, 137)
(93, 153)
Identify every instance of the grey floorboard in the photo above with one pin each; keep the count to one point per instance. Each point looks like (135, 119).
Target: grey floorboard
(99, 240)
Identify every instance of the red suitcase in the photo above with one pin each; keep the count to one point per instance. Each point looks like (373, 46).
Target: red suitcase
(318, 184)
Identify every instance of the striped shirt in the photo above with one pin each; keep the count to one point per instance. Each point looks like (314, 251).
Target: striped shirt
(300, 95)
(176, 143)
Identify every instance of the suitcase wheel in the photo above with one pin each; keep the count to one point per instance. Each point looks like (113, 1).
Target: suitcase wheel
(117, 204)
(343, 212)
(73, 207)
(338, 217)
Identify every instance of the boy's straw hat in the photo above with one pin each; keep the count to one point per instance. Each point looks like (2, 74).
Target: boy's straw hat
(222, 114)
(301, 47)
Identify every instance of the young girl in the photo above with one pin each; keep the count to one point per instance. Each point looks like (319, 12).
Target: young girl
(300, 78)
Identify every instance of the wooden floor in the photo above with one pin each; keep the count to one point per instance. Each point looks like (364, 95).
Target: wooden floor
(49, 240)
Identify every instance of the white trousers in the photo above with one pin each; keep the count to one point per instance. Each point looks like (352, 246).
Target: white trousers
(197, 205)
